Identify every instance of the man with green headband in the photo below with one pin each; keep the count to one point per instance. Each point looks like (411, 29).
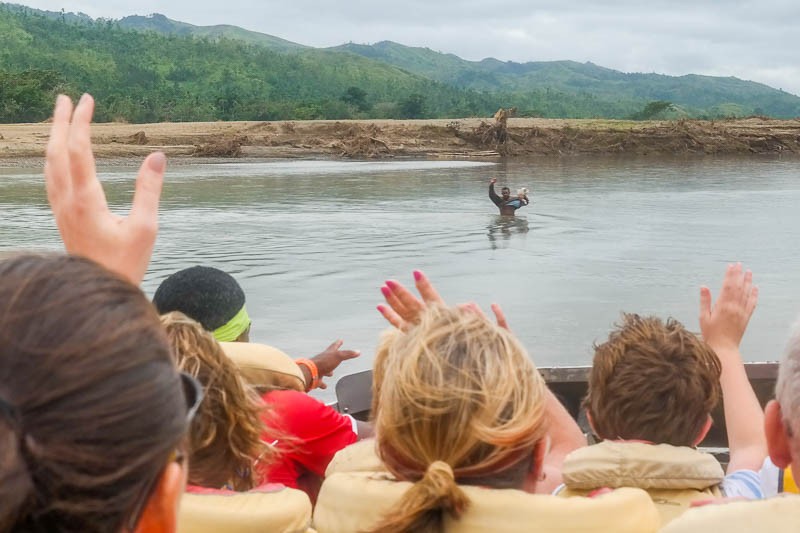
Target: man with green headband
(216, 300)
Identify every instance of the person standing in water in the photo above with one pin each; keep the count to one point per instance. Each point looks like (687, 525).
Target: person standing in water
(506, 203)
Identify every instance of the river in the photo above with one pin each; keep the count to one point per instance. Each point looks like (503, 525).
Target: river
(312, 241)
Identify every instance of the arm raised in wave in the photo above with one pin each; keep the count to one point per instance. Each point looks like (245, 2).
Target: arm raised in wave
(87, 226)
(723, 324)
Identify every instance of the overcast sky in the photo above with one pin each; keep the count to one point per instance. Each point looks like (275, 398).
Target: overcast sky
(754, 40)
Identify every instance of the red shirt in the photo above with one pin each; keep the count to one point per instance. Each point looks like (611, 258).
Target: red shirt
(315, 433)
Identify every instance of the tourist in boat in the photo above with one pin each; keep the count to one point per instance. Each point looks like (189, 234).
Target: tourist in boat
(216, 300)
(403, 310)
(248, 436)
(227, 439)
(506, 203)
(93, 413)
(782, 432)
(652, 387)
(463, 420)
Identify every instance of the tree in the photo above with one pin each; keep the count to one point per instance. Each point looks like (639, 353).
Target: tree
(413, 106)
(653, 109)
(356, 97)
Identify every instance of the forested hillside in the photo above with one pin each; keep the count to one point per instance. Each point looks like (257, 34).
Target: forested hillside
(148, 77)
(165, 70)
(706, 93)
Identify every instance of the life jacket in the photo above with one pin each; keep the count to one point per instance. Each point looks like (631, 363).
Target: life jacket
(357, 501)
(272, 508)
(786, 482)
(781, 513)
(265, 367)
(673, 476)
(358, 457)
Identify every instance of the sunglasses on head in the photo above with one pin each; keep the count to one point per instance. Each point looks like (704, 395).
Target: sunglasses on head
(193, 394)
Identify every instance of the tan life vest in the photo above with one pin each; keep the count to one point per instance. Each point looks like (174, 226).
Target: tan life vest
(673, 476)
(781, 513)
(350, 502)
(265, 367)
(358, 457)
(281, 510)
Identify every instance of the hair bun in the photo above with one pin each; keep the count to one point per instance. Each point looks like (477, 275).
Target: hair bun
(441, 470)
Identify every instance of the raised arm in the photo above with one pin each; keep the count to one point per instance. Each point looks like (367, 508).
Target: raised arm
(492, 194)
(88, 228)
(565, 437)
(723, 326)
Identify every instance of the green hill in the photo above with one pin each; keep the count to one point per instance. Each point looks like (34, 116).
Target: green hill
(160, 23)
(148, 77)
(147, 69)
(693, 91)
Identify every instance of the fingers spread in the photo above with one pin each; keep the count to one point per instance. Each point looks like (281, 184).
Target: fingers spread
(705, 303)
(81, 159)
(391, 317)
(747, 286)
(394, 302)
(426, 289)
(410, 307)
(752, 301)
(334, 346)
(56, 169)
(144, 212)
(344, 355)
(500, 316)
(472, 307)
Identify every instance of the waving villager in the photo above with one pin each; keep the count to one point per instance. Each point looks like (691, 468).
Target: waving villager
(506, 203)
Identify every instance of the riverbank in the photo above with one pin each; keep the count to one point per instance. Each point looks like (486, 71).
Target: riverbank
(455, 139)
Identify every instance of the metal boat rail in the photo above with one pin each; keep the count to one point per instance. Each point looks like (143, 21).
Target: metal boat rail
(569, 384)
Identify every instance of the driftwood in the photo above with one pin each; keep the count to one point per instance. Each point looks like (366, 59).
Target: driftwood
(225, 147)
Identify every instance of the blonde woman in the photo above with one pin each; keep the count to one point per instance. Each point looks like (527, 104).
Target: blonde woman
(459, 402)
(226, 437)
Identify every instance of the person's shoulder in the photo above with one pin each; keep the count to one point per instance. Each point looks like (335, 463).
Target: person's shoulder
(296, 402)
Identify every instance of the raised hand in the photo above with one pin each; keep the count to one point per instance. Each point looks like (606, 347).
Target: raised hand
(404, 308)
(330, 359)
(87, 227)
(723, 324)
(493, 180)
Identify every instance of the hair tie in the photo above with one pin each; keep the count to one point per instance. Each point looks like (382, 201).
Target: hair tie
(440, 468)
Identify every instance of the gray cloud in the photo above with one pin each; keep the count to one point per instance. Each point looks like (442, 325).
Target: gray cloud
(749, 40)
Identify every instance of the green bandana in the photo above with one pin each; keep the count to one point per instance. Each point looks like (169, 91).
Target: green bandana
(236, 326)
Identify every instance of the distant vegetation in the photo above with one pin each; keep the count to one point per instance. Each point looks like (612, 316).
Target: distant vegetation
(152, 69)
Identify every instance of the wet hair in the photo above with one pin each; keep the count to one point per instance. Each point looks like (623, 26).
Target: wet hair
(460, 403)
(225, 440)
(205, 294)
(93, 404)
(653, 380)
(505, 189)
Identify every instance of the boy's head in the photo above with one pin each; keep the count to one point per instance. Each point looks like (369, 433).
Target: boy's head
(653, 381)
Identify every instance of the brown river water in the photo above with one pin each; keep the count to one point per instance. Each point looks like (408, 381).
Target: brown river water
(312, 241)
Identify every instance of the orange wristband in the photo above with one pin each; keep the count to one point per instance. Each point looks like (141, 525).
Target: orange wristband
(313, 370)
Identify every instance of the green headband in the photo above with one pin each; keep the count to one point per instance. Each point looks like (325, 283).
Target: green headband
(234, 327)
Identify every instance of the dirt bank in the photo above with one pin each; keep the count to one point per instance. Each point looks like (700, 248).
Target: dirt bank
(473, 138)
